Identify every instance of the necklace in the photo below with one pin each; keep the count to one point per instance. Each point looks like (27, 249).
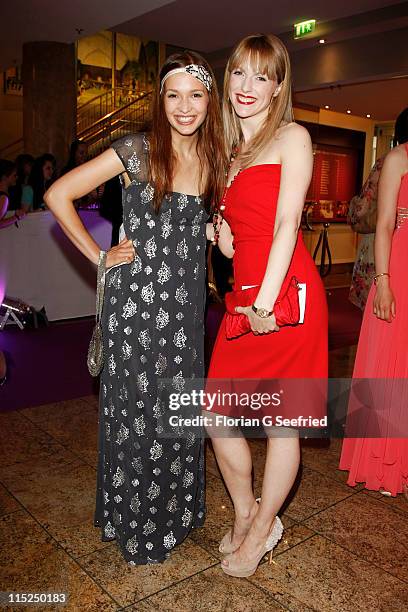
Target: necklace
(218, 216)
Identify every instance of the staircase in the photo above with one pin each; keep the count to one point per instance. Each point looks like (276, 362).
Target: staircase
(111, 115)
(13, 149)
(102, 120)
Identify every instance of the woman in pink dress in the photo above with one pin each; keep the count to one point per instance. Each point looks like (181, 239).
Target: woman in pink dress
(382, 462)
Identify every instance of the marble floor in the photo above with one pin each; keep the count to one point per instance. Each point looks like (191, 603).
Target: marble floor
(343, 549)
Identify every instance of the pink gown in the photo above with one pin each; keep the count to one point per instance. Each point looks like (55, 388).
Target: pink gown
(382, 353)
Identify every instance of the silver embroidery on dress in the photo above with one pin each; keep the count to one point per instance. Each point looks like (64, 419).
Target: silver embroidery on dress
(181, 294)
(148, 293)
(134, 220)
(151, 247)
(139, 425)
(162, 319)
(144, 339)
(147, 194)
(142, 382)
(164, 273)
(180, 338)
(182, 249)
(126, 350)
(156, 451)
(129, 309)
(113, 323)
(160, 365)
(133, 164)
(154, 491)
(118, 478)
(169, 540)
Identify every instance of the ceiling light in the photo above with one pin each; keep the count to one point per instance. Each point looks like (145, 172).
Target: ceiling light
(322, 41)
(348, 111)
(326, 106)
(368, 116)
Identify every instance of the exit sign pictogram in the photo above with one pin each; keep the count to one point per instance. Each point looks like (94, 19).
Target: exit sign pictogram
(304, 28)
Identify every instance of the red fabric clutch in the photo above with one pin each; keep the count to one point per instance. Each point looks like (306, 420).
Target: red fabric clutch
(286, 309)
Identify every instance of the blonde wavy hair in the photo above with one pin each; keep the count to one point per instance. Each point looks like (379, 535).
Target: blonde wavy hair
(267, 55)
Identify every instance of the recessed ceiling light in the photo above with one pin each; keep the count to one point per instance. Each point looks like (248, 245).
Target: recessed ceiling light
(348, 111)
(326, 106)
(322, 41)
(368, 116)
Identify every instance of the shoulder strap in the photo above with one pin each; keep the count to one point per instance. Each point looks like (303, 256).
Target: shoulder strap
(100, 286)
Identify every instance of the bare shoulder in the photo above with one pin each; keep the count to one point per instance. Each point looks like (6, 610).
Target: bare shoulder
(293, 134)
(396, 160)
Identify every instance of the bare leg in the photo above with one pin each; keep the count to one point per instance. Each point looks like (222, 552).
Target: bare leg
(235, 462)
(281, 467)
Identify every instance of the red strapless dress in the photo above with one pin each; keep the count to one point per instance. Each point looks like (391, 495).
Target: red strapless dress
(382, 463)
(293, 352)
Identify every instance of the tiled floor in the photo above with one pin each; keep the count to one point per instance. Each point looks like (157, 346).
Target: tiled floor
(343, 550)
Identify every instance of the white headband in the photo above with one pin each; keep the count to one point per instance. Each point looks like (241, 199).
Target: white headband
(196, 70)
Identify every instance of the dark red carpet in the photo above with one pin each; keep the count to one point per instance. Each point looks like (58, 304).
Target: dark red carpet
(49, 364)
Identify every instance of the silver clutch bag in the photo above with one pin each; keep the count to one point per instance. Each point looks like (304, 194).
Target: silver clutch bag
(95, 357)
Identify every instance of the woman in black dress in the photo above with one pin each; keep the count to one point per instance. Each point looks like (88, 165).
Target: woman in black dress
(150, 490)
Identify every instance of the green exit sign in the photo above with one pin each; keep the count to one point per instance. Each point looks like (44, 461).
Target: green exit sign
(304, 28)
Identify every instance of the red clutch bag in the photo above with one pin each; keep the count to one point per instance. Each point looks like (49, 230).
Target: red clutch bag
(286, 309)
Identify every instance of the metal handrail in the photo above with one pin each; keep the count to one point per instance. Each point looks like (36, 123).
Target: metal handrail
(11, 145)
(99, 106)
(109, 91)
(130, 118)
(111, 115)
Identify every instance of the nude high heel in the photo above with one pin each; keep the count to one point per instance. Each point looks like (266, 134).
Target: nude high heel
(225, 547)
(245, 570)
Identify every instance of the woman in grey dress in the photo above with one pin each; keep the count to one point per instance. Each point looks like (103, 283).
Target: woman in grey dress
(150, 487)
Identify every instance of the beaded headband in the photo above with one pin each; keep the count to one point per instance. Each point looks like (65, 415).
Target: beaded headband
(196, 70)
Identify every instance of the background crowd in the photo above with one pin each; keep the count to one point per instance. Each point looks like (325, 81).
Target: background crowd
(25, 180)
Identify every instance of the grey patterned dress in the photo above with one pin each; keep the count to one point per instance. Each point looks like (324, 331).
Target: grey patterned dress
(150, 489)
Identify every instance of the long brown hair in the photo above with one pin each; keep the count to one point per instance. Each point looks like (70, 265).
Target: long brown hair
(268, 55)
(210, 143)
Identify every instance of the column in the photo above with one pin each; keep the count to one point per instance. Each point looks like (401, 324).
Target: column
(49, 106)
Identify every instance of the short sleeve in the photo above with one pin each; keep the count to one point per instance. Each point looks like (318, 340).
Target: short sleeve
(132, 151)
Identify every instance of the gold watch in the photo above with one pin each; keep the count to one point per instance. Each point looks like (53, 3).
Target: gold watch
(261, 312)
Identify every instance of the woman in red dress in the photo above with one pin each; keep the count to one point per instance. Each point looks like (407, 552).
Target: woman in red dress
(376, 449)
(266, 189)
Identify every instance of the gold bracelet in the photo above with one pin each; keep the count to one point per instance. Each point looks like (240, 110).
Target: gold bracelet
(379, 275)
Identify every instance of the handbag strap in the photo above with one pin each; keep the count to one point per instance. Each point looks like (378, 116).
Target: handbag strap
(100, 284)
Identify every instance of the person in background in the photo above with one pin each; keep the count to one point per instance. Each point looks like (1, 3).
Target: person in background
(381, 463)
(42, 177)
(111, 207)
(21, 195)
(78, 154)
(8, 178)
(362, 217)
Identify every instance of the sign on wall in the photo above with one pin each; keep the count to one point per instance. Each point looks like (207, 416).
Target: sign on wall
(333, 183)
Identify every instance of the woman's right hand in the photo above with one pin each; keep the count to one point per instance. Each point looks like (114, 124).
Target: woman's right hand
(384, 303)
(19, 213)
(122, 253)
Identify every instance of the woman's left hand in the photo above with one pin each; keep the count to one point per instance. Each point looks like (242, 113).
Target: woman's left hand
(258, 324)
(209, 231)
